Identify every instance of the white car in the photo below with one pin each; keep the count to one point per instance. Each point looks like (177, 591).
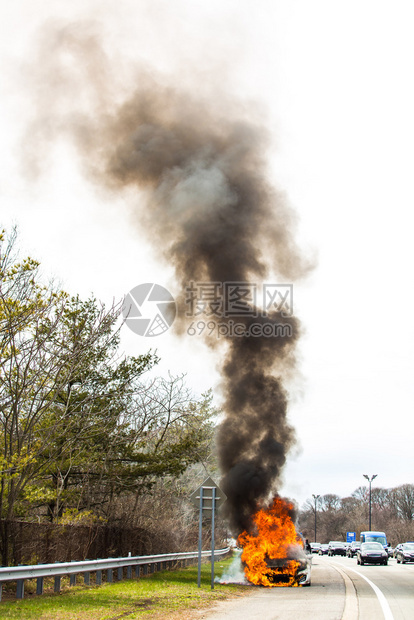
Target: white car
(315, 547)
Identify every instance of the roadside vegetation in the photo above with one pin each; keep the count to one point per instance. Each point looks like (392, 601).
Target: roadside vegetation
(89, 437)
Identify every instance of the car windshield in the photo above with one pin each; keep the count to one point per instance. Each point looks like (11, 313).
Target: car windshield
(409, 546)
(379, 539)
(371, 545)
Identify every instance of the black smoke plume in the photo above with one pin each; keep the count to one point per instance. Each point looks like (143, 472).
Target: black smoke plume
(194, 167)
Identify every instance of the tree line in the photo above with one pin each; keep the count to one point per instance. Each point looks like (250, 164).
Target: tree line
(392, 512)
(84, 435)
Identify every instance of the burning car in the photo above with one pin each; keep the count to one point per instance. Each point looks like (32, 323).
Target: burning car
(280, 571)
(273, 554)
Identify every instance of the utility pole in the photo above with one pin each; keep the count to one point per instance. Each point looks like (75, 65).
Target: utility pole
(370, 481)
(315, 497)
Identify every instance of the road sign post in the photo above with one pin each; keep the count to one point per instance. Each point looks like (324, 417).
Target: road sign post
(213, 510)
(207, 498)
(200, 537)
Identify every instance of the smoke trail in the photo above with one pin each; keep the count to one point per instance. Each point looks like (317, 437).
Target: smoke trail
(200, 165)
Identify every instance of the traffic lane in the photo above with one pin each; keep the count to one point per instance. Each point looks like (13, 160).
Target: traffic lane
(395, 581)
(324, 600)
(370, 602)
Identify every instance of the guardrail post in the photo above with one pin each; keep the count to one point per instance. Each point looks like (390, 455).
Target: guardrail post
(109, 575)
(98, 578)
(120, 573)
(57, 583)
(39, 585)
(129, 572)
(20, 588)
(87, 578)
(137, 567)
(72, 579)
(145, 569)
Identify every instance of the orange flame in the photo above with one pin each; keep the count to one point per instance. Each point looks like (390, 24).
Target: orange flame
(275, 536)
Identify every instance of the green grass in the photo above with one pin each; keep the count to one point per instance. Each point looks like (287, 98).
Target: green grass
(163, 595)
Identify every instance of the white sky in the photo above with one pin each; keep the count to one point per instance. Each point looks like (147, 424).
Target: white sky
(335, 81)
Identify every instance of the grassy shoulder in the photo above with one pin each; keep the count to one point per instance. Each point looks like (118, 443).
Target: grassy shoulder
(167, 594)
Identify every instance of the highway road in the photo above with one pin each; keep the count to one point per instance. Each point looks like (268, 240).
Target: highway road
(340, 590)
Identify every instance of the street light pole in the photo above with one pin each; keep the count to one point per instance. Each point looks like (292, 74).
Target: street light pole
(370, 480)
(315, 497)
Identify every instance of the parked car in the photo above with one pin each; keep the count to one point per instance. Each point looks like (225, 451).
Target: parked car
(405, 553)
(390, 551)
(323, 549)
(336, 547)
(372, 553)
(353, 548)
(315, 546)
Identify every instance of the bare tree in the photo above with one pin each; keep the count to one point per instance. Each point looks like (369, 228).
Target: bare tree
(403, 498)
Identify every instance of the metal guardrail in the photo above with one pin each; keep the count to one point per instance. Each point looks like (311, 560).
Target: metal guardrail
(149, 563)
